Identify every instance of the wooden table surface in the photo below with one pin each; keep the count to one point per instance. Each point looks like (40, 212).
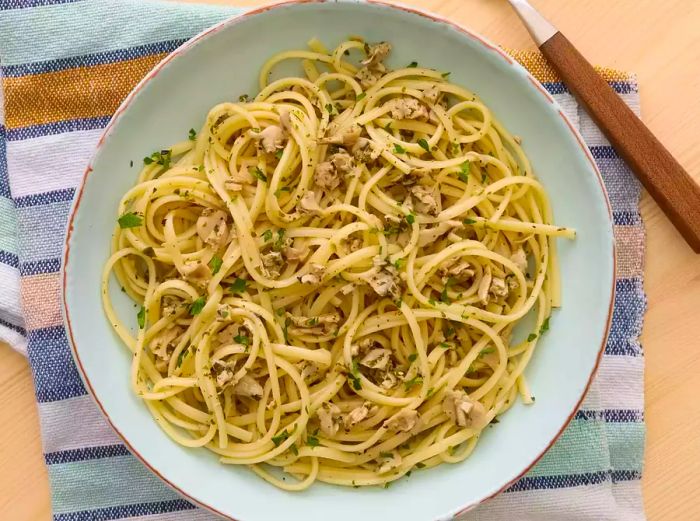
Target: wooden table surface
(658, 40)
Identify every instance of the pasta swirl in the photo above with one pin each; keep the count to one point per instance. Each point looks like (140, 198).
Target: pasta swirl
(330, 273)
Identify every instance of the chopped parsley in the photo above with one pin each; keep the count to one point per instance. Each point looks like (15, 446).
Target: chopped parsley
(312, 441)
(545, 326)
(398, 264)
(487, 351)
(287, 321)
(279, 153)
(416, 380)
(215, 264)
(160, 158)
(259, 174)
(183, 354)
(464, 171)
(360, 96)
(267, 235)
(420, 465)
(446, 74)
(386, 455)
(242, 339)
(412, 65)
(412, 357)
(469, 221)
(238, 286)
(354, 375)
(197, 306)
(398, 149)
(484, 177)
(531, 337)
(329, 108)
(387, 128)
(294, 449)
(277, 440)
(130, 220)
(141, 317)
(280, 239)
(444, 345)
(424, 144)
(193, 134)
(443, 295)
(410, 218)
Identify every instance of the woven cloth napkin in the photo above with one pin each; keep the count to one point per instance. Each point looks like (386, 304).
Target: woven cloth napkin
(65, 66)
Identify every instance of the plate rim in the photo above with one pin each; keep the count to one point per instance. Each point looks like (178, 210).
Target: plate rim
(230, 22)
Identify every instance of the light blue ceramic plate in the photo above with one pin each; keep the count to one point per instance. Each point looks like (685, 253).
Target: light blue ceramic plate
(223, 63)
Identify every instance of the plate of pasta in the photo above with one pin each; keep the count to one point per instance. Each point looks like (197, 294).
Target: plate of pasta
(364, 258)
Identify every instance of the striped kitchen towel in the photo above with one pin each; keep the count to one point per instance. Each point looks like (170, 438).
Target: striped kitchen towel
(65, 66)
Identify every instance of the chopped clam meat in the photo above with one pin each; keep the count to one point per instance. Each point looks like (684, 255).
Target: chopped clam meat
(248, 387)
(406, 420)
(408, 108)
(376, 359)
(464, 411)
(271, 138)
(426, 201)
(273, 262)
(212, 228)
(355, 416)
(329, 418)
(315, 275)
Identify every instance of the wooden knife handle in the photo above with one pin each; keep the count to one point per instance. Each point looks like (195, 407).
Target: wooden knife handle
(663, 177)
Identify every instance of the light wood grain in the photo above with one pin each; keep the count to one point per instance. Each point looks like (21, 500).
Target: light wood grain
(659, 41)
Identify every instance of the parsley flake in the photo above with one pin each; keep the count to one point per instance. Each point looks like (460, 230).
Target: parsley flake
(416, 380)
(424, 144)
(130, 220)
(193, 134)
(277, 440)
(398, 149)
(141, 317)
(238, 286)
(259, 174)
(412, 357)
(545, 325)
(412, 65)
(312, 441)
(215, 264)
(360, 96)
(531, 337)
(267, 235)
(464, 171)
(242, 339)
(469, 221)
(183, 354)
(410, 218)
(197, 306)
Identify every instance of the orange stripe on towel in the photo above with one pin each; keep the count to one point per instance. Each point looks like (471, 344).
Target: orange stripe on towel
(84, 92)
